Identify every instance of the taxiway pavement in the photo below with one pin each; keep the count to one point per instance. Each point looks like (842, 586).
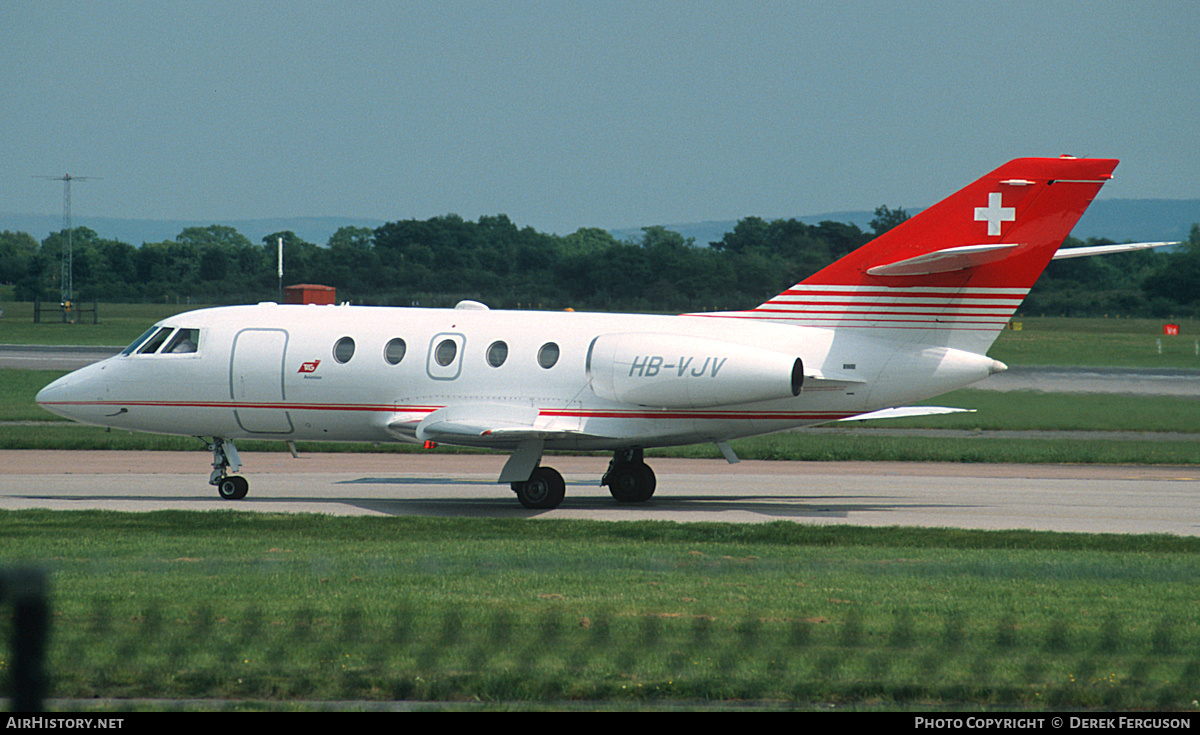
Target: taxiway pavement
(1100, 499)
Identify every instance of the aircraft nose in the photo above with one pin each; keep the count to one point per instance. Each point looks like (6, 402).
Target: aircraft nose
(53, 395)
(66, 396)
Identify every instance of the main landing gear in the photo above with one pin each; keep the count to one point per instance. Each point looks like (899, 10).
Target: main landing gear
(629, 479)
(225, 458)
(543, 490)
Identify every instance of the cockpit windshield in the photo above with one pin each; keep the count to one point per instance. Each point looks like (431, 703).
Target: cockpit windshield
(181, 341)
(138, 342)
(155, 342)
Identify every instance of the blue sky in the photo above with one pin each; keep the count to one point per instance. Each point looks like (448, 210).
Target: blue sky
(570, 114)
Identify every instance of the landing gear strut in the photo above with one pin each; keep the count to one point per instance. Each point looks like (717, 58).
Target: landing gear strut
(225, 458)
(629, 478)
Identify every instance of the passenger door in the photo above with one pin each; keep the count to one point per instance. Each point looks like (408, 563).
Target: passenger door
(256, 381)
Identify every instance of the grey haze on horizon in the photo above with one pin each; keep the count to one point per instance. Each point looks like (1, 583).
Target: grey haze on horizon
(564, 115)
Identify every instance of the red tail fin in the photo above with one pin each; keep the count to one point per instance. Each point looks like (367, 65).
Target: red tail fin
(953, 274)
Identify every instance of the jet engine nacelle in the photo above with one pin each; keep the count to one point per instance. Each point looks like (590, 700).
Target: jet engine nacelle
(676, 371)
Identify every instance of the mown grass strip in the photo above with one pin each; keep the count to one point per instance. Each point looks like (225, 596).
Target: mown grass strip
(230, 605)
(1098, 342)
(805, 447)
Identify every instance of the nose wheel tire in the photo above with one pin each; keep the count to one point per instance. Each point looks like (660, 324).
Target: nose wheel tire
(544, 489)
(233, 487)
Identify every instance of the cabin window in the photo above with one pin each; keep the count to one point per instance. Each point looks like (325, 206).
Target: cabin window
(445, 352)
(548, 355)
(394, 351)
(344, 349)
(156, 341)
(184, 341)
(497, 354)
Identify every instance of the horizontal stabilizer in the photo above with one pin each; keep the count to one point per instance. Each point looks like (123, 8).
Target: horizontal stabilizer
(1108, 249)
(904, 412)
(947, 260)
(972, 256)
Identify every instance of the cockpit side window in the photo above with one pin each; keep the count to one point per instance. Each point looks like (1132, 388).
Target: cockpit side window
(156, 341)
(185, 341)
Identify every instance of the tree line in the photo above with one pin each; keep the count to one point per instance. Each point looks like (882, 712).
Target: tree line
(438, 261)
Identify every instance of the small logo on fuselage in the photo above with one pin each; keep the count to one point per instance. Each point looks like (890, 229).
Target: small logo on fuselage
(309, 367)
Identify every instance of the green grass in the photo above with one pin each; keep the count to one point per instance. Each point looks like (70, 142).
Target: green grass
(1099, 343)
(842, 448)
(119, 324)
(625, 614)
(17, 389)
(1036, 411)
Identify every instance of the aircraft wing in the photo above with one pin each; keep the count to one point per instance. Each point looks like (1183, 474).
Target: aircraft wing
(482, 424)
(520, 429)
(901, 412)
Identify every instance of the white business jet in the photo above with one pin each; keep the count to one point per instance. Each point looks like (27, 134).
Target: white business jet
(904, 318)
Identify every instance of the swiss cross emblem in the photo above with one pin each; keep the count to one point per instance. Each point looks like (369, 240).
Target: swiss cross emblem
(309, 367)
(994, 213)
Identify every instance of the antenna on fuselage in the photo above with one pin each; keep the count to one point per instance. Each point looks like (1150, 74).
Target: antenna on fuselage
(281, 270)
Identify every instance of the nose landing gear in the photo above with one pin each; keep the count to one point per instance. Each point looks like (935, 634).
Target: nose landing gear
(226, 459)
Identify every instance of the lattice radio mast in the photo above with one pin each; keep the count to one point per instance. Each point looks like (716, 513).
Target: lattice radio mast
(68, 285)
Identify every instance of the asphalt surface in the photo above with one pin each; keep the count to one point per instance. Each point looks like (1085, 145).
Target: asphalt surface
(1102, 499)
(39, 357)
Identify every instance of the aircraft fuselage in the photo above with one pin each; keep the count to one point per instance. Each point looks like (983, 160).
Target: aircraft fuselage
(373, 374)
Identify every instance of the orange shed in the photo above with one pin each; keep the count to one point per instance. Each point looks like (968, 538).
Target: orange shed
(309, 293)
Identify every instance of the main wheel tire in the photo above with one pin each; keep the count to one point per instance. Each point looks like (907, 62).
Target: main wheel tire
(634, 483)
(233, 487)
(544, 489)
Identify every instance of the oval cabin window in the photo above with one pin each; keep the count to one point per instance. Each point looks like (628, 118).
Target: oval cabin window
(394, 351)
(548, 355)
(445, 352)
(343, 350)
(497, 354)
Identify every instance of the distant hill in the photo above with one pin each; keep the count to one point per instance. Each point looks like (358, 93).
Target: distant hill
(1121, 220)
(1139, 219)
(137, 231)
